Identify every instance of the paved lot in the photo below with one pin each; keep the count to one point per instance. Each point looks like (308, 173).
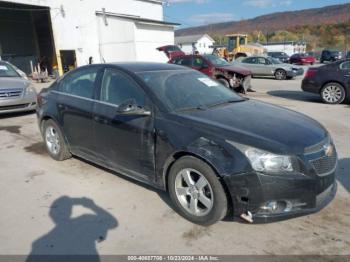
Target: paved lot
(126, 217)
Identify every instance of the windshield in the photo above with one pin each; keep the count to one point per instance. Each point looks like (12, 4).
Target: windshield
(186, 89)
(7, 71)
(217, 61)
(274, 61)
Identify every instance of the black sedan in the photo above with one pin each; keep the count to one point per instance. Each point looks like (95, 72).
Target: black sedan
(331, 82)
(181, 131)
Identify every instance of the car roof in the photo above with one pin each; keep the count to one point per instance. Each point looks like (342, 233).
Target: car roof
(136, 67)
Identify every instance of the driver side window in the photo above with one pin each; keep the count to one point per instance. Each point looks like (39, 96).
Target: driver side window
(118, 88)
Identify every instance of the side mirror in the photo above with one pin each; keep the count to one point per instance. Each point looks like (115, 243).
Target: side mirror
(130, 107)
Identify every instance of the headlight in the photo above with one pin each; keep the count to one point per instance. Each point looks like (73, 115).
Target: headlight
(263, 161)
(30, 90)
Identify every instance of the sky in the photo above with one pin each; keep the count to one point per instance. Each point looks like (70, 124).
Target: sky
(199, 12)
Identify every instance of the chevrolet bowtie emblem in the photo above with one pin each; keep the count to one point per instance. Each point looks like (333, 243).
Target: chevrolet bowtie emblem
(328, 149)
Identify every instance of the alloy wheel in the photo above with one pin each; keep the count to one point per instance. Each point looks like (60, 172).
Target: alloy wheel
(280, 75)
(194, 192)
(52, 140)
(332, 94)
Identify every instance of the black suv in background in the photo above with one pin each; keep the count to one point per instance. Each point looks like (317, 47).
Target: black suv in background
(283, 57)
(330, 56)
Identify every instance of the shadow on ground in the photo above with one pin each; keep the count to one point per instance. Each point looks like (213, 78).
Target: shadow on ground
(296, 95)
(73, 236)
(14, 115)
(343, 173)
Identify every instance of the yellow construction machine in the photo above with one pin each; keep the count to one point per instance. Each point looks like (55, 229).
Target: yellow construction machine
(238, 46)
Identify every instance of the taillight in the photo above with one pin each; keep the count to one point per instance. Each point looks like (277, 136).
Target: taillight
(310, 73)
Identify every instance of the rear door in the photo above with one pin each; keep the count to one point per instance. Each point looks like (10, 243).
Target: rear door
(75, 104)
(123, 142)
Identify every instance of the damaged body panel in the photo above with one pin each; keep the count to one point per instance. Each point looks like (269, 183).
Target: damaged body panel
(235, 77)
(141, 120)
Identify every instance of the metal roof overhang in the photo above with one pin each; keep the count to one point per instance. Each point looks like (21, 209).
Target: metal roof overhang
(137, 19)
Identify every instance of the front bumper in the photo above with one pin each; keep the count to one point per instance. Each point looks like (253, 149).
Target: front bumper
(294, 194)
(22, 104)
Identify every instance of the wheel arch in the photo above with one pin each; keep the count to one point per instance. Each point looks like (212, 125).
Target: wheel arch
(336, 82)
(49, 117)
(279, 68)
(179, 154)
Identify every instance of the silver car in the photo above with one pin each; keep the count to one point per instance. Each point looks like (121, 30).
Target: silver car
(269, 66)
(16, 92)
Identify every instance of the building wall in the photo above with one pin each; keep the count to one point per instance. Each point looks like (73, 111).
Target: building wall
(78, 28)
(203, 45)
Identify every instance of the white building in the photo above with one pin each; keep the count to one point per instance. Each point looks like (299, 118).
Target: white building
(69, 33)
(289, 47)
(201, 43)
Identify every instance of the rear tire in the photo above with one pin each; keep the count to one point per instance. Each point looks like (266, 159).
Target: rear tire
(333, 93)
(196, 191)
(280, 74)
(54, 141)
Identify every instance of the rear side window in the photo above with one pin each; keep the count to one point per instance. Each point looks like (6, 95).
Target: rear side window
(118, 87)
(250, 60)
(80, 83)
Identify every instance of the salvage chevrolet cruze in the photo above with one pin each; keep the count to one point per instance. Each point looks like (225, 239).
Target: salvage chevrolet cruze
(216, 153)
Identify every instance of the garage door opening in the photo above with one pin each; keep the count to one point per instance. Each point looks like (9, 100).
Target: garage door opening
(68, 59)
(26, 36)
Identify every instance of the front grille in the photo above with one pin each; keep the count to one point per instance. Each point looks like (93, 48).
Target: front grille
(3, 108)
(325, 164)
(10, 93)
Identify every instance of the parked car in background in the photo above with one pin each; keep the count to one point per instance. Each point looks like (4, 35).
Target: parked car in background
(171, 51)
(269, 66)
(282, 56)
(330, 56)
(231, 76)
(16, 92)
(180, 131)
(331, 82)
(302, 59)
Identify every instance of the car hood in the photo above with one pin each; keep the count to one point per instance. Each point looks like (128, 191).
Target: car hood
(13, 82)
(260, 125)
(235, 69)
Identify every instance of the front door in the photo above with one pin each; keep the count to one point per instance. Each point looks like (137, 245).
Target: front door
(123, 142)
(201, 65)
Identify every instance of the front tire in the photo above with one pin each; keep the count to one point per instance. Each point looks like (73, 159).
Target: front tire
(54, 141)
(280, 74)
(196, 191)
(333, 93)
(224, 82)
